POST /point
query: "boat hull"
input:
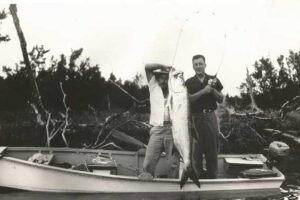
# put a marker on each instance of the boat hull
(25, 175)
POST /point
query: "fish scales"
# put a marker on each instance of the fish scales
(179, 113)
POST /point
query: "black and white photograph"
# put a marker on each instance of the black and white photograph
(150, 99)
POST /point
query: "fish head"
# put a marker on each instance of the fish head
(176, 81)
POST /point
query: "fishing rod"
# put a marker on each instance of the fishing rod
(178, 42)
(179, 36)
(222, 57)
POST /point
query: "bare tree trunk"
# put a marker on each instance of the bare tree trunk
(36, 93)
(282, 135)
(251, 93)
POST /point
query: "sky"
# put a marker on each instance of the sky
(123, 35)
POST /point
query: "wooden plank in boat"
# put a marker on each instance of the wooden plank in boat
(244, 161)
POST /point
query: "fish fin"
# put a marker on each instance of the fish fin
(194, 177)
(189, 173)
(184, 178)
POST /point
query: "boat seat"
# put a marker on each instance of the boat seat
(257, 173)
(102, 165)
(41, 158)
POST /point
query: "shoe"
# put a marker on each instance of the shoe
(145, 176)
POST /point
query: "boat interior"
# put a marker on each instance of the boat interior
(123, 163)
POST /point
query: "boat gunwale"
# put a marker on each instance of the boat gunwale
(47, 190)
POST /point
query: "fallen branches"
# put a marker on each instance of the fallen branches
(291, 105)
(96, 146)
(224, 137)
(127, 139)
(140, 124)
(282, 135)
(112, 145)
(54, 126)
(257, 134)
(254, 115)
(294, 117)
(108, 120)
(128, 94)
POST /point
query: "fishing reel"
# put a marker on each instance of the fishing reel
(212, 82)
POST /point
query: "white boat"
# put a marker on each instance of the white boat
(17, 172)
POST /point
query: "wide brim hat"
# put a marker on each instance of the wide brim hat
(160, 71)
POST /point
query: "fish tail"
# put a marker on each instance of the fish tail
(189, 173)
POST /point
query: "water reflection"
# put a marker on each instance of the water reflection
(257, 194)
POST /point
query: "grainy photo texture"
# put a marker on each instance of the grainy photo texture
(153, 99)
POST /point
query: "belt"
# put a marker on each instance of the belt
(207, 110)
(203, 111)
(167, 122)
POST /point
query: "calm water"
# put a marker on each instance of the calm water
(263, 194)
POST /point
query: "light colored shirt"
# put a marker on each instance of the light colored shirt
(166, 111)
(158, 112)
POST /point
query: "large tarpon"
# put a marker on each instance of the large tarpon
(179, 112)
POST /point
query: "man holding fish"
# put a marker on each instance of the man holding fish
(205, 93)
(170, 111)
(161, 138)
(172, 103)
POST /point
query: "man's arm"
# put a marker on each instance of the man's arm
(218, 95)
(207, 90)
(149, 68)
(193, 97)
(217, 88)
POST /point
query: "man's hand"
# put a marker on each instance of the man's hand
(207, 89)
(168, 68)
(212, 82)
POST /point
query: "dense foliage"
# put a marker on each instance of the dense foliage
(274, 85)
(82, 82)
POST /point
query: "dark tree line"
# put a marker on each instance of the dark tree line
(83, 84)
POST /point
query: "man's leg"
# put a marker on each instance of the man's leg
(153, 150)
(172, 156)
(211, 144)
(197, 145)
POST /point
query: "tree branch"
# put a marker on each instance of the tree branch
(128, 94)
(66, 122)
(250, 85)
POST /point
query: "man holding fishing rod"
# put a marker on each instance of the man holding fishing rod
(161, 138)
(205, 93)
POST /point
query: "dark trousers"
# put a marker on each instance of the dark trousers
(161, 139)
(205, 142)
